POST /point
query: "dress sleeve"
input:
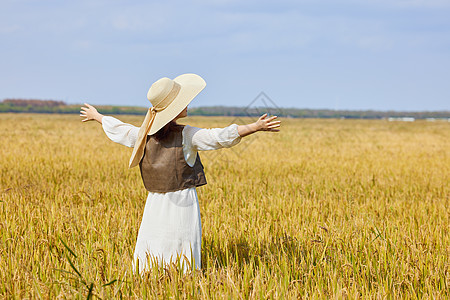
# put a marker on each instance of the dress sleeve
(120, 132)
(202, 139)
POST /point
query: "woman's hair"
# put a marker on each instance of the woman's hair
(163, 132)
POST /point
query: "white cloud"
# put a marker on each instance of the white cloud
(317, 37)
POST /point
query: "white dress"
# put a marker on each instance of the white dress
(171, 224)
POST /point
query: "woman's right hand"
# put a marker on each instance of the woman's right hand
(264, 124)
(90, 113)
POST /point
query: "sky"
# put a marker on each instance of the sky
(333, 54)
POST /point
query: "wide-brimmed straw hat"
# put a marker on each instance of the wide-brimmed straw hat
(168, 98)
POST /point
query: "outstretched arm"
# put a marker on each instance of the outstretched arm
(262, 124)
(116, 130)
(202, 139)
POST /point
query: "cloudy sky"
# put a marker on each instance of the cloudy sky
(338, 54)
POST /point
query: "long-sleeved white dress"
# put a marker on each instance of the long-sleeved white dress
(171, 224)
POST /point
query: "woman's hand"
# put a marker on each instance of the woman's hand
(90, 113)
(264, 124)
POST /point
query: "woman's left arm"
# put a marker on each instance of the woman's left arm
(116, 130)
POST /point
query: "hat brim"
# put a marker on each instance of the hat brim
(191, 86)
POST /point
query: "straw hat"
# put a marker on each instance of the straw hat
(169, 98)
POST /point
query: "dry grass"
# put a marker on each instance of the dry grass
(323, 209)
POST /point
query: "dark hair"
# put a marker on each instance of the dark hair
(163, 132)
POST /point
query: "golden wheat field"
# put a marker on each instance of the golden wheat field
(321, 209)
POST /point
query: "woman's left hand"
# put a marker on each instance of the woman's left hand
(90, 113)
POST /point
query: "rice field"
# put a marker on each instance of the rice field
(322, 209)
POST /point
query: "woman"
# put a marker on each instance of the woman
(171, 169)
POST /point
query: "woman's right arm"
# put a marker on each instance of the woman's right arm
(262, 124)
(202, 139)
(116, 130)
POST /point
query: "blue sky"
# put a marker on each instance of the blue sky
(338, 54)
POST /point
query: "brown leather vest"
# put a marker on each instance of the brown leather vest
(163, 167)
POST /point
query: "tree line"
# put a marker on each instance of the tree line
(52, 106)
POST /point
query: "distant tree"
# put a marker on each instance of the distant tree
(33, 102)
